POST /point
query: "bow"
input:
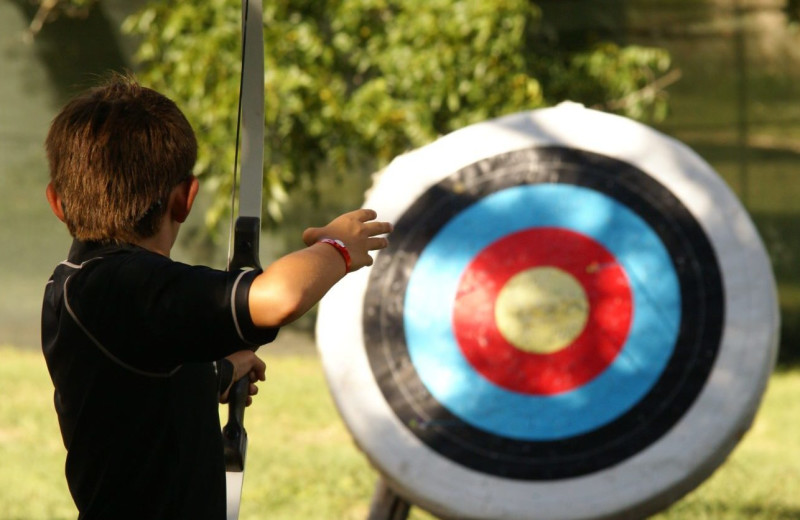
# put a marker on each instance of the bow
(244, 252)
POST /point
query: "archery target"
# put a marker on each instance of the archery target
(575, 318)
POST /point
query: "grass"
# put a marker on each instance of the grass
(302, 463)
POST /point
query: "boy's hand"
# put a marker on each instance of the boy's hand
(245, 364)
(358, 230)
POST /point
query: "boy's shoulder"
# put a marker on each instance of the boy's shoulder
(94, 270)
(93, 257)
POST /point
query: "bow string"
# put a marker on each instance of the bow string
(243, 248)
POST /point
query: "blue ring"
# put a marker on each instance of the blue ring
(450, 378)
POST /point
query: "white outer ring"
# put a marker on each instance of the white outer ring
(656, 476)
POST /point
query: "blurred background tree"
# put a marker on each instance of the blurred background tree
(48, 10)
(353, 83)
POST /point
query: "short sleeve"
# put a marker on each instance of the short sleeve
(154, 313)
(241, 312)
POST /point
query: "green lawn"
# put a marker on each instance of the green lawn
(302, 463)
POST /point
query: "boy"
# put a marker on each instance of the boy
(141, 348)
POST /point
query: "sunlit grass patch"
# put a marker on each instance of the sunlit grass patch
(303, 464)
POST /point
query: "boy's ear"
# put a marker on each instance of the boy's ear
(55, 201)
(183, 198)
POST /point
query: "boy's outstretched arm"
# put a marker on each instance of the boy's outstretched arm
(291, 285)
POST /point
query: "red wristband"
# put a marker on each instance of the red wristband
(339, 246)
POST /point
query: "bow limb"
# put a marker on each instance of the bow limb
(246, 232)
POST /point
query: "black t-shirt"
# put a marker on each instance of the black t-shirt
(130, 338)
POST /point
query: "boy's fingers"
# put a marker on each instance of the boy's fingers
(377, 228)
(365, 215)
(260, 369)
(374, 244)
(310, 236)
(256, 375)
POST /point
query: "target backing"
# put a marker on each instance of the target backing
(575, 318)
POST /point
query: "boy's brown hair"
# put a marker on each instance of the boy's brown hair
(115, 153)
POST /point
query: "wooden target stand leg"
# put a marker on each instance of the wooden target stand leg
(386, 504)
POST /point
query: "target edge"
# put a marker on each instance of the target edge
(752, 259)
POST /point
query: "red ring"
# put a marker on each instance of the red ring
(595, 348)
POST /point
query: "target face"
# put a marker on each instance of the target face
(547, 318)
(645, 334)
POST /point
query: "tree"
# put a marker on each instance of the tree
(352, 83)
(47, 10)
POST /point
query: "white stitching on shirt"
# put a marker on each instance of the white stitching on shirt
(100, 346)
(77, 266)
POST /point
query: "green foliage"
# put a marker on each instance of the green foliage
(426, 68)
(623, 79)
(350, 84)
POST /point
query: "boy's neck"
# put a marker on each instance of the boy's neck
(162, 241)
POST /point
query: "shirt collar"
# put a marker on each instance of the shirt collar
(81, 251)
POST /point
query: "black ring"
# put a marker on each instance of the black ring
(702, 315)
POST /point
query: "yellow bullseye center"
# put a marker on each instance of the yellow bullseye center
(541, 310)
